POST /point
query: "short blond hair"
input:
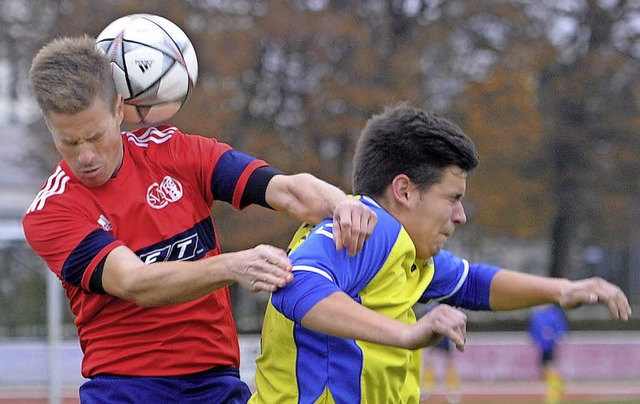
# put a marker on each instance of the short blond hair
(68, 73)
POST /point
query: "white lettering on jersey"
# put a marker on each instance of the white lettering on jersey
(151, 135)
(105, 223)
(56, 184)
(179, 250)
(159, 195)
(157, 255)
(182, 247)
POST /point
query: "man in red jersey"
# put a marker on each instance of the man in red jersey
(125, 223)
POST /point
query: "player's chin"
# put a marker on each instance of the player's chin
(436, 249)
(92, 180)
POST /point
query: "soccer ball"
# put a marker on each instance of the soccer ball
(153, 64)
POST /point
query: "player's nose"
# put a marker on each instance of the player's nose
(85, 154)
(459, 215)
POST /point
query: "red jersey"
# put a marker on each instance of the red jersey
(159, 206)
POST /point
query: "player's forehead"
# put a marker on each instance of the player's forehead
(94, 119)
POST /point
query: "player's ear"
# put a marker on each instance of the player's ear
(401, 186)
(119, 108)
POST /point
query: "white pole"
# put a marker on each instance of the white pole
(11, 230)
(54, 325)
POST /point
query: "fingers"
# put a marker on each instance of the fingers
(264, 268)
(457, 333)
(618, 306)
(353, 223)
(597, 290)
(446, 321)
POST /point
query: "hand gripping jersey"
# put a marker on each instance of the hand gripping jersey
(299, 365)
(158, 205)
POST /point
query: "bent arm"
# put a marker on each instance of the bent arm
(164, 283)
(311, 200)
(303, 197)
(339, 315)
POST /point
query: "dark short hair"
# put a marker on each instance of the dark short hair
(406, 140)
(68, 73)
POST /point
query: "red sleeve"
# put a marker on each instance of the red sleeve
(57, 226)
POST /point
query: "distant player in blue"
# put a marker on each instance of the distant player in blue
(344, 330)
(547, 327)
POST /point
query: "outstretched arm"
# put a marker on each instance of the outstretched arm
(480, 286)
(312, 200)
(512, 290)
(262, 268)
(339, 315)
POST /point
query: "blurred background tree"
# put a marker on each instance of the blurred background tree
(548, 90)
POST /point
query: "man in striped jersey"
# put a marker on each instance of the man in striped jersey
(344, 331)
(125, 223)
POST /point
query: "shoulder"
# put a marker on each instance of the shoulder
(61, 206)
(445, 258)
(388, 234)
(58, 191)
(388, 230)
(386, 221)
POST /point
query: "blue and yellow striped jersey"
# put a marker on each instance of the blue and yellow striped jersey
(299, 365)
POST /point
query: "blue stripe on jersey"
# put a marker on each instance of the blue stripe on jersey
(342, 376)
(458, 283)
(81, 256)
(190, 245)
(227, 172)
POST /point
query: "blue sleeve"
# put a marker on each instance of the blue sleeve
(320, 270)
(458, 283)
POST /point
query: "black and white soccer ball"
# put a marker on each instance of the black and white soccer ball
(153, 63)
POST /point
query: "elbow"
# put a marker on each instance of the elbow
(143, 300)
(297, 195)
(133, 293)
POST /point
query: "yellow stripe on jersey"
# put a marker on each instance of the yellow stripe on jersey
(387, 374)
(392, 374)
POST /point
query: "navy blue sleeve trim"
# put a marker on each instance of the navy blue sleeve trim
(81, 256)
(226, 173)
(256, 188)
(95, 283)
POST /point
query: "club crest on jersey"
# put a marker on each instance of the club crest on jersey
(159, 195)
